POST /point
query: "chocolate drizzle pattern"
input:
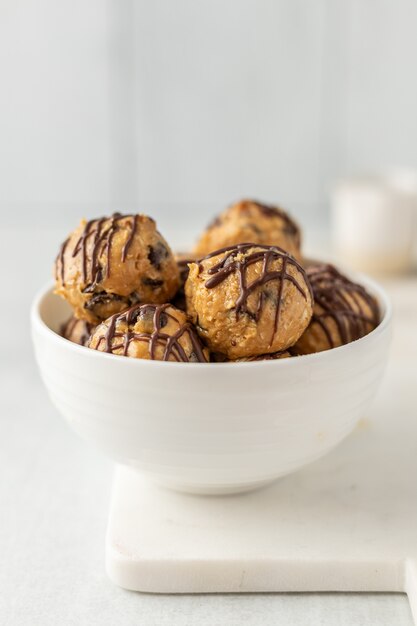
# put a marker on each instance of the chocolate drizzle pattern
(237, 259)
(291, 227)
(119, 334)
(342, 301)
(61, 256)
(101, 232)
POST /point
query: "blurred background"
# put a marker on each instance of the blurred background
(179, 108)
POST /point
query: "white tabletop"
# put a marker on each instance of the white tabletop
(54, 496)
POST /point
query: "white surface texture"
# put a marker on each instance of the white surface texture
(54, 496)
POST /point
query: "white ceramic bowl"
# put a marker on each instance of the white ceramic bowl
(210, 428)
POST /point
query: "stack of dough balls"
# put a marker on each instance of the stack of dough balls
(243, 294)
(111, 270)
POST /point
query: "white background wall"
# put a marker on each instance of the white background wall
(177, 108)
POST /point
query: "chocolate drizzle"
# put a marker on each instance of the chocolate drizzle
(158, 316)
(60, 258)
(129, 240)
(339, 299)
(291, 227)
(237, 259)
(101, 231)
(103, 298)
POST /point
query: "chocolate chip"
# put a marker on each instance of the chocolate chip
(253, 316)
(271, 295)
(157, 254)
(152, 282)
(102, 298)
(163, 320)
(133, 314)
(134, 298)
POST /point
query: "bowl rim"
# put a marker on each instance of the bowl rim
(38, 324)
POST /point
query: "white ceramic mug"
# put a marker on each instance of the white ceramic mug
(374, 221)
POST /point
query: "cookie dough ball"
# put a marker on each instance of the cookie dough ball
(150, 331)
(108, 264)
(250, 221)
(249, 300)
(284, 354)
(77, 331)
(343, 311)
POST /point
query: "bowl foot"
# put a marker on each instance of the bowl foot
(212, 490)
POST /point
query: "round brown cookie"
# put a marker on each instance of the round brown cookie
(77, 331)
(343, 311)
(248, 300)
(250, 221)
(149, 331)
(108, 264)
